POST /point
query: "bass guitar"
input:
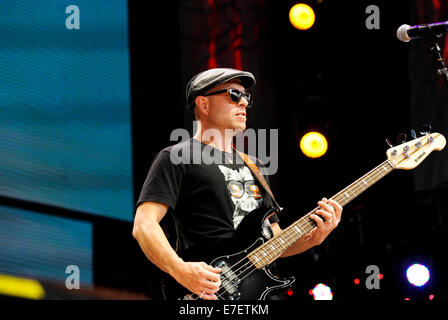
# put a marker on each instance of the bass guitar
(245, 260)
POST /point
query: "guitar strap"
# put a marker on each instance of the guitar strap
(256, 172)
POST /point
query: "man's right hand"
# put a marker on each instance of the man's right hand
(200, 278)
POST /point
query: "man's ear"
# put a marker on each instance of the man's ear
(202, 105)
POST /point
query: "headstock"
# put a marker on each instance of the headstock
(410, 154)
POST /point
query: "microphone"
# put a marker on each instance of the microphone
(406, 32)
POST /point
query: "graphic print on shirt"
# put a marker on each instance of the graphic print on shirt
(245, 193)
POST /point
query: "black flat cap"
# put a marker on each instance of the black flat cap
(211, 78)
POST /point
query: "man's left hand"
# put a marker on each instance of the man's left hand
(327, 218)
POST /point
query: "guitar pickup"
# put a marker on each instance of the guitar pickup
(230, 281)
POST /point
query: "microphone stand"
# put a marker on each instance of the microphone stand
(437, 53)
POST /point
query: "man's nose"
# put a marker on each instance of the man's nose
(243, 102)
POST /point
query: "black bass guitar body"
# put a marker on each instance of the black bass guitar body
(240, 279)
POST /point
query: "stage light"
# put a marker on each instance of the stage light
(21, 287)
(417, 274)
(313, 144)
(322, 292)
(302, 16)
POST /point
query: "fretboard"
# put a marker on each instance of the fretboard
(274, 248)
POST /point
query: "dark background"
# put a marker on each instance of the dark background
(356, 86)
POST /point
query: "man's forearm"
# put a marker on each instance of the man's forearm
(156, 247)
(300, 246)
(198, 277)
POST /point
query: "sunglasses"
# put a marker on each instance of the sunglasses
(235, 95)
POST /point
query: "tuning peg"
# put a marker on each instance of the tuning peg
(394, 152)
(413, 135)
(401, 138)
(389, 143)
(426, 129)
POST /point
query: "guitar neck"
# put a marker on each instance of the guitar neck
(272, 249)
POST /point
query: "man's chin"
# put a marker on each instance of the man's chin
(240, 129)
(240, 126)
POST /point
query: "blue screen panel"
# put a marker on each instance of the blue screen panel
(41, 246)
(65, 128)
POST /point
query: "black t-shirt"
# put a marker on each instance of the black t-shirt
(207, 195)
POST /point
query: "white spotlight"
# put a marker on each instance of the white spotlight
(322, 292)
(417, 274)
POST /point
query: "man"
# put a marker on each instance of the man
(205, 199)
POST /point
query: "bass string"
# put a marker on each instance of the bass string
(355, 186)
(229, 278)
(306, 224)
(248, 268)
(358, 189)
(251, 266)
(374, 173)
(229, 274)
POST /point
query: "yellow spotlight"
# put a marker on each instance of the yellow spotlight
(21, 287)
(302, 16)
(313, 145)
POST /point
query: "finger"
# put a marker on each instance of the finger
(337, 207)
(335, 210)
(335, 204)
(210, 273)
(317, 219)
(207, 276)
(326, 206)
(310, 234)
(207, 296)
(210, 276)
(326, 216)
(211, 286)
(210, 268)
